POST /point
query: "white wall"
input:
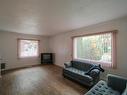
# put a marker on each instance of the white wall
(8, 49)
(61, 44)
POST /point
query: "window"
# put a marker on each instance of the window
(96, 48)
(28, 48)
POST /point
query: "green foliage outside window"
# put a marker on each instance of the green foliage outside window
(96, 47)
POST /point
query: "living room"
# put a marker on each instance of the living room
(62, 28)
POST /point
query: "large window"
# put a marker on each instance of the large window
(28, 48)
(96, 48)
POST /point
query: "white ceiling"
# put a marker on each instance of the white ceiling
(49, 17)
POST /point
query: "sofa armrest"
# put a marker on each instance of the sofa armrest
(95, 73)
(67, 64)
(116, 82)
(89, 78)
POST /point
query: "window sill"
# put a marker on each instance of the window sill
(28, 57)
(104, 64)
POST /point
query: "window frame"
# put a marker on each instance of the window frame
(18, 48)
(113, 54)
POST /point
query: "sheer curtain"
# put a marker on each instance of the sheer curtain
(96, 48)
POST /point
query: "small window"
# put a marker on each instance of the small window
(28, 48)
(96, 48)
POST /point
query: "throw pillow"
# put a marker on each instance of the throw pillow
(95, 67)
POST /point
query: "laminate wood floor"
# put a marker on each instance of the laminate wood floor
(40, 80)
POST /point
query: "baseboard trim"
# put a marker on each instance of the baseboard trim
(59, 65)
(28, 66)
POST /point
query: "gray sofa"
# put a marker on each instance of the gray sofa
(115, 85)
(81, 72)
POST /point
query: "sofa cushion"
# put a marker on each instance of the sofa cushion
(85, 66)
(101, 88)
(78, 75)
(74, 70)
